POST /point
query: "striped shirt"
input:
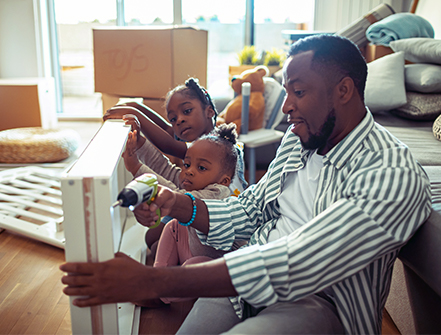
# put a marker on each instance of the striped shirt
(371, 197)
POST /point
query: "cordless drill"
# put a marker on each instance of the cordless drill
(142, 189)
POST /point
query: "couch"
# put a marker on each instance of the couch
(414, 301)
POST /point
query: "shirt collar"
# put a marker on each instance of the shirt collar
(341, 153)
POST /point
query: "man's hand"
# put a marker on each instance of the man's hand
(121, 279)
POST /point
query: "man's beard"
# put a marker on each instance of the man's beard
(319, 140)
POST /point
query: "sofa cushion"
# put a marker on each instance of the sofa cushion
(420, 106)
(419, 49)
(417, 135)
(423, 78)
(385, 87)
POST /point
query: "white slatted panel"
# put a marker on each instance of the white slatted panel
(30, 204)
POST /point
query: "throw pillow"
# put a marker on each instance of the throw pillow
(385, 89)
(424, 78)
(419, 49)
(420, 106)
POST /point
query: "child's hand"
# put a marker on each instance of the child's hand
(118, 111)
(133, 121)
(131, 160)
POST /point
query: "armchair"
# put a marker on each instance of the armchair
(274, 96)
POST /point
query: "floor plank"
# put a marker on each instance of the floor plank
(31, 298)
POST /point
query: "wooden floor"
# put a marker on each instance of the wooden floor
(31, 298)
(32, 302)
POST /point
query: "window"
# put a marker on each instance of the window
(143, 12)
(226, 36)
(75, 20)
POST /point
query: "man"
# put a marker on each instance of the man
(325, 223)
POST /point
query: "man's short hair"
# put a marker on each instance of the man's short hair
(335, 57)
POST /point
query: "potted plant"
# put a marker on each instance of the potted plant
(274, 59)
(248, 58)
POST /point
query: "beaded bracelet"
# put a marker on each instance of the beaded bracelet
(194, 211)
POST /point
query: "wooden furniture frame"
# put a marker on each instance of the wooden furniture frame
(94, 230)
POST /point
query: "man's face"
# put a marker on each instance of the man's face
(308, 102)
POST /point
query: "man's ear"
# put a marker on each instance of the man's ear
(345, 90)
(225, 180)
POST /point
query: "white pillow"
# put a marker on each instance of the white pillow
(424, 78)
(419, 49)
(385, 88)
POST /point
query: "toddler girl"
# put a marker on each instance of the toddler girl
(203, 183)
(208, 168)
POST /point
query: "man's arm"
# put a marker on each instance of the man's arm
(122, 279)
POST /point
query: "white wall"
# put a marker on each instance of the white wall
(24, 39)
(431, 11)
(333, 15)
(18, 50)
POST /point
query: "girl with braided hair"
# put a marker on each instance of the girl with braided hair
(191, 113)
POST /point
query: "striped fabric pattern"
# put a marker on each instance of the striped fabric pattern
(372, 196)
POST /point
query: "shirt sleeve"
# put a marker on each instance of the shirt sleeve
(239, 218)
(155, 161)
(379, 210)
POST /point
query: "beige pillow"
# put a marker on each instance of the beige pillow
(420, 106)
(385, 88)
(419, 49)
(424, 78)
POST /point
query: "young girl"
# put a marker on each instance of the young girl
(191, 113)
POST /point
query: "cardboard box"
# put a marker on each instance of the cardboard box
(148, 62)
(158, 105)
(374, 52)
(27, 102)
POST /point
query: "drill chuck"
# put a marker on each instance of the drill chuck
(142, 189)
(134, 195)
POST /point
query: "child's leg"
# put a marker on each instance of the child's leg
(173, 248)
(152, 237)
(197, 259)
(192, 260)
